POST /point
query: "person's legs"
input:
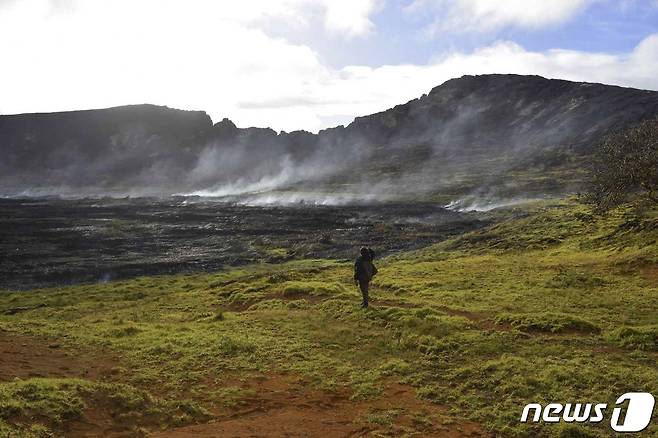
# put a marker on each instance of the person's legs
(363, 285)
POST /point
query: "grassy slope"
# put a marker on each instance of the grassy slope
(552, 304)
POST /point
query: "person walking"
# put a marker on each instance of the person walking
(364, 270)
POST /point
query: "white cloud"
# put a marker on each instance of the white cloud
(634, 69)
(98, 53)
(349, 16)
(489, 15)
(201, 54)
(360, 90)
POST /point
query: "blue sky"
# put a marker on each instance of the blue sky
(399, 37)
(306, 64)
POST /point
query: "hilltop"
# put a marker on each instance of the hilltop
(490, 135)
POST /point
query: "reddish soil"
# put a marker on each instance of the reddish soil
(282, 406)
(275, 405)
(24, 357)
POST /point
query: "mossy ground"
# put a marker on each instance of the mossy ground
(551, 304)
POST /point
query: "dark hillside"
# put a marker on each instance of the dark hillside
(508, 134)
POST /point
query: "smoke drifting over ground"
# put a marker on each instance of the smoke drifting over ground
(495, 137)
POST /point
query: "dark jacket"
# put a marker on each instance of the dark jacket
(364, 269)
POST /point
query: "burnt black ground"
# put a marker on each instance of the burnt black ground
(49, 242)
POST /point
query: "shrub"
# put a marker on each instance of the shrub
(625, 164)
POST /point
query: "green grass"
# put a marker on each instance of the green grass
(39, 406)
(549, 304)
(548, 322)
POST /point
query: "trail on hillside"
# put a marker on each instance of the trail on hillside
(277, 404)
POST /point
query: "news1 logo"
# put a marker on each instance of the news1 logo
(637, 416)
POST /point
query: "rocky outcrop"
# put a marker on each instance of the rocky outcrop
(467, 131)
(112, 148)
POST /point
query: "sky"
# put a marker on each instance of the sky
(306, 64)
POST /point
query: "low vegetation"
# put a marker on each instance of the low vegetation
(553, 303)
(54, 402)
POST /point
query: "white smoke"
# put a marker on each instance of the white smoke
(467, 204)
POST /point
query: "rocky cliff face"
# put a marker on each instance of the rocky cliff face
(111, 148)
(506, 133)
(493, 111)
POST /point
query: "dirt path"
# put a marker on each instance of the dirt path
(282, 405)
(26, 356)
